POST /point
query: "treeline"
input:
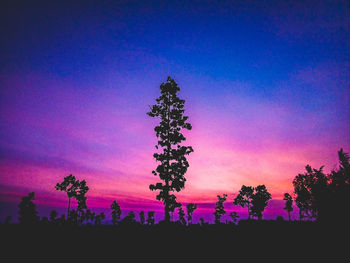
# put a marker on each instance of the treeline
(318, 196)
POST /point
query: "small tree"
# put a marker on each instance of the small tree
(182, 219)
(289, 203)
(142, 217)
(116, 212)
(99, 218)
(74, 189)
(244, 198)
(27, 210)
(172, 157)
(260, 199)
(190, 207)
(53, 217)
(150, 218)
(219, 209)
(234, 217)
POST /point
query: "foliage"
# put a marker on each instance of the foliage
(142, 217)
(219, 209)
(74, 189)
(27, 210)
(190, 207)
(289, 203)
(182, 219)
(150, 218)
(116, 212)
(234, 217)
(260, 199)
(171, 156)
(244, 198)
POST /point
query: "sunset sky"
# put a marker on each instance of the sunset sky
(266, 85)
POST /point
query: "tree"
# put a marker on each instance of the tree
(289, 204)
(260, 199)
(74, 189)
(311, 192)
(27, 210)
(234, 217)
(219, 209)
(172, 156)
(324, 197)
(150, 218)
(99, 218)
(116, 212)
(182, 219)
(190, 207)
(130, 218)
(142, 217)
(244, 198)
(53, 216)
(173, 204)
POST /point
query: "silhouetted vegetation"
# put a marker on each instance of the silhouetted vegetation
(116, 212)
(219, 209)
(324, 197)
(27, 210)
(321, 198)
(289, 204)
(172, 157)
(190, 209)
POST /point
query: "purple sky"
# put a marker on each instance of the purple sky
(266, 86)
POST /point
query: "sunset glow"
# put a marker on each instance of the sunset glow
(266, 90)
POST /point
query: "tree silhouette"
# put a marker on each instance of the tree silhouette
(244, 198)
(142, 217)
(324, 197)
(116, 212)
(289, 204)
(53, 217)
(234, 217)
(99, 218)
(311, 191)
(190, 207)
(150, 218)
(260, 199)
(219, 209)
(27, 210)
(74, 189)
(173, 204)
(182, 219)
(173, 163)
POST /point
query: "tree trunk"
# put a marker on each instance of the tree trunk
(68, 210)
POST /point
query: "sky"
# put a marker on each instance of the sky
(266, 85)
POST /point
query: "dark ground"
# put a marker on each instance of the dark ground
(249, 241)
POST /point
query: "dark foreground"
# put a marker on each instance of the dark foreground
(251, 240)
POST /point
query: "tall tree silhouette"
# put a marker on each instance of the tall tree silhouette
(172, 156)
(260, 199)
(244, 198)
(116, 212)
(190, 207)
(289, 204)
(219, 208)
(27, 210)
(74, 189)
